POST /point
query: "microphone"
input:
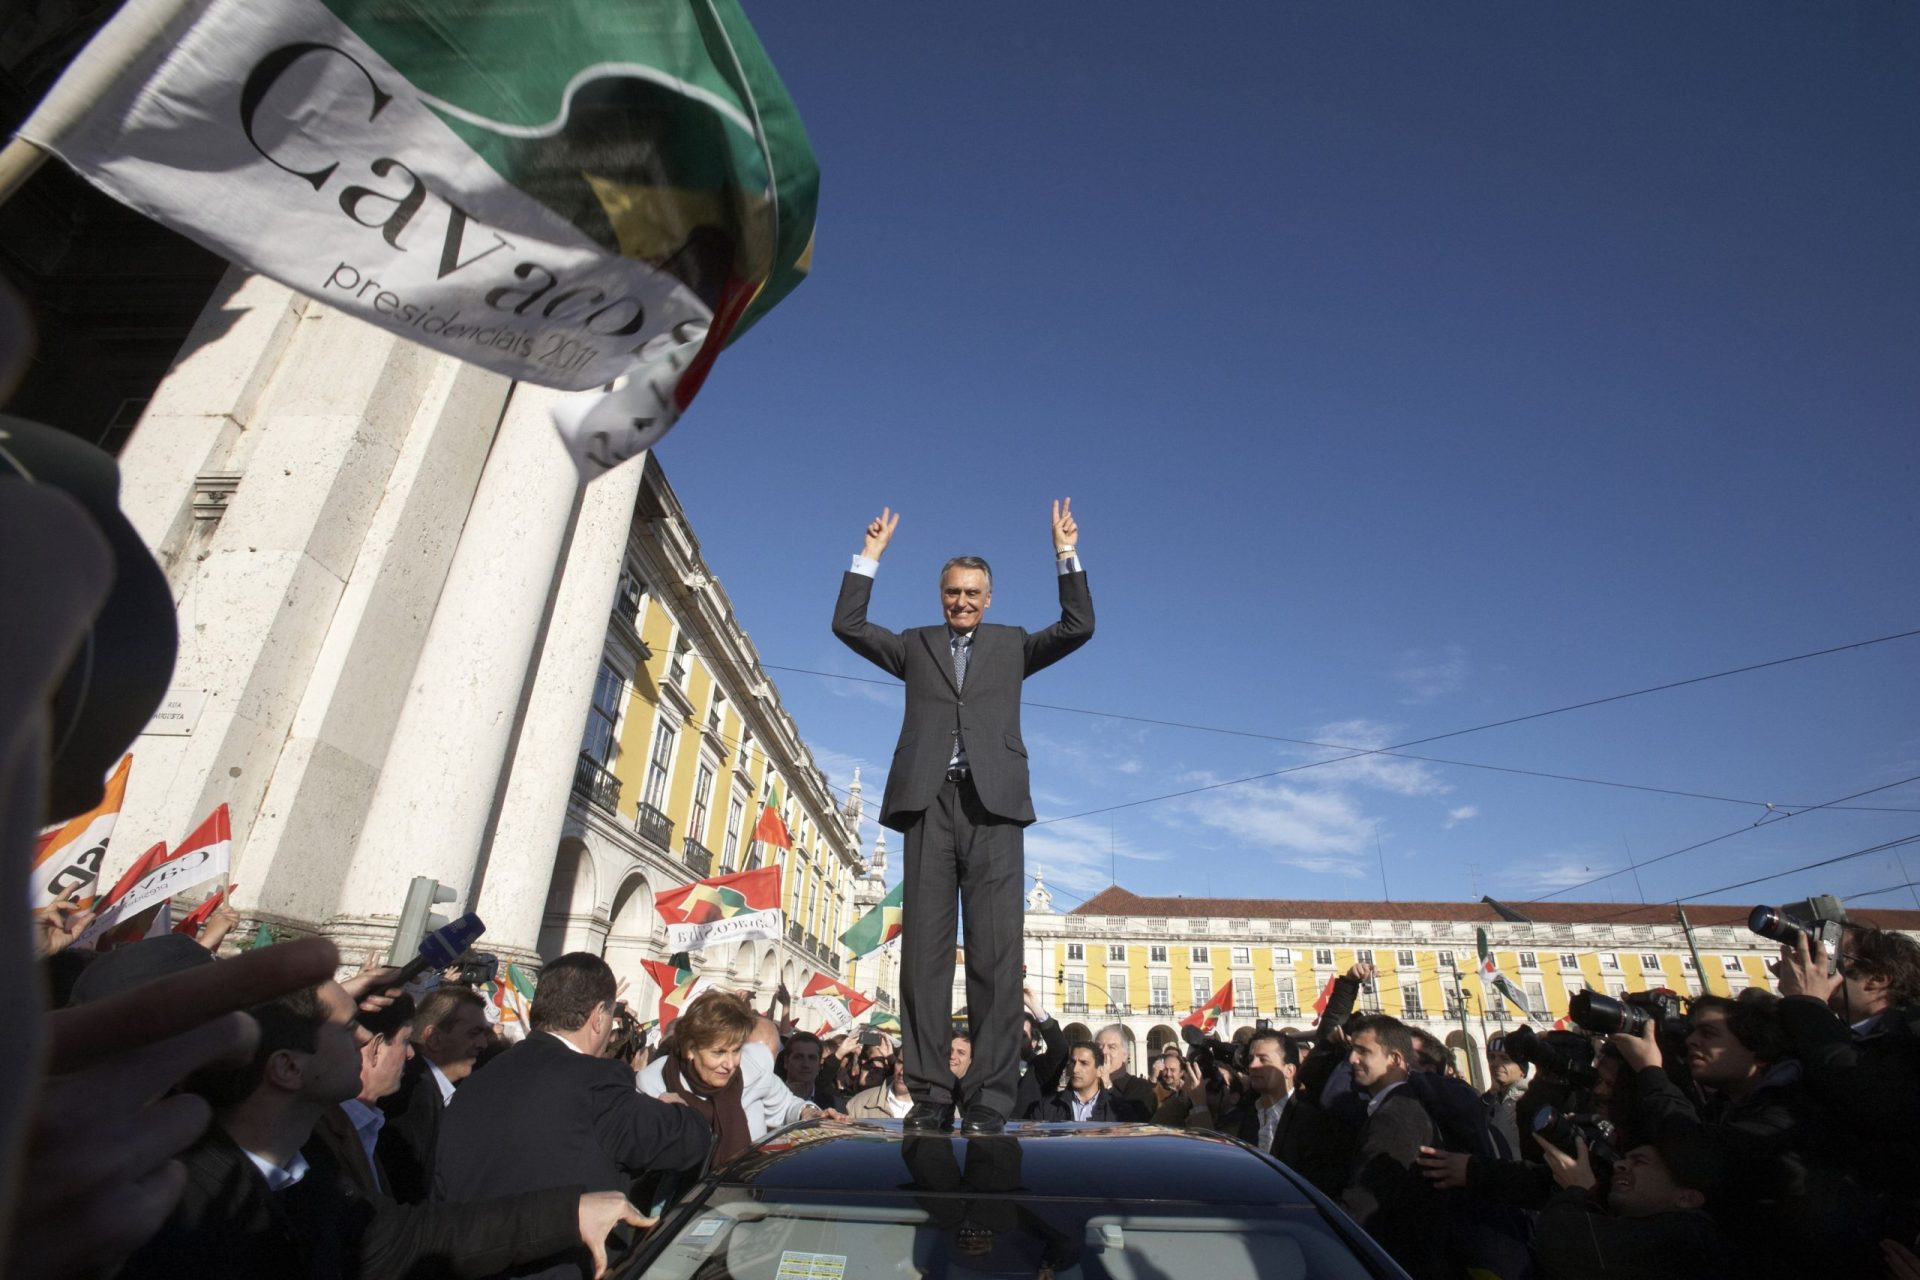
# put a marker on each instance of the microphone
(442, 947)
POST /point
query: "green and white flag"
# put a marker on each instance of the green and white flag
(879, 926)
(575, 193)
(1490, 973)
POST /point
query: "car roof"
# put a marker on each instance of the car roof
(1079, 1161)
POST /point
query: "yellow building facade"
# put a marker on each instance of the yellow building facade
(1146, 963)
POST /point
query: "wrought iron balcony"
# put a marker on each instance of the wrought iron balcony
(1075, 1007)
(1160, 1010)
(698, 857)
(812, 944)
(594, 784)
(793, 932)
(653, 826)
(1119, 1010)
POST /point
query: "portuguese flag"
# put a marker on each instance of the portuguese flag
(771, 829)
(1209, 1013)
(729, 908)
(569, 193)
(878, 927)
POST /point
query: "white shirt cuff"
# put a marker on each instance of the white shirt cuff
(1069, 563)
(865, 567)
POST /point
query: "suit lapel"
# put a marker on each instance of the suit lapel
(942, 653)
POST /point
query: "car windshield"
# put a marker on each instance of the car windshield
(747, 1234)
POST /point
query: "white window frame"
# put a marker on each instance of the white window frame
(1076, 951)
(1156, 953)
(1323, 956)
(1199, 955)
(1403, 958)
(1242, 955)
(1116, 953)
(1570, 961)
(1529, 960)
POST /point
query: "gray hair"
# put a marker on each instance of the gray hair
(967, 562)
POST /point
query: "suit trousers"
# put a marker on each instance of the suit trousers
(956, 849)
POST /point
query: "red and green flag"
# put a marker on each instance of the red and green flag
(771, 828)
(878, 927)
(1326, 994)
(881, 1020)
(836, 1002)
(511, 1002)
(1209, 1013)
(149, 884)
(728, 908)
(570, 193)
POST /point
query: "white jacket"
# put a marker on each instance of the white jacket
(764, 1096)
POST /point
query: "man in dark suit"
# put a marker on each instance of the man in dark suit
(262, 1200)
(551, 1111)
(351, 1132)
(1135, 1092)
(1087, 1096)
(958, 790)
(449, 1033)
(1385, 1191)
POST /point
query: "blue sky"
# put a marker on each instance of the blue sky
(1410, 367)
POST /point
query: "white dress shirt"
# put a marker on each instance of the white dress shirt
(440, 1079)
(279, 1177)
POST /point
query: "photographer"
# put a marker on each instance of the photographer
(1654, 1224)
(1737, 1053)
(1314, 1141)
(1856, 1030)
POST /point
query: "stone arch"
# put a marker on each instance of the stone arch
(631, 931)
(571, 921)
(769, 969)
(1467, 1049)
(1077, 1031)
(744, 974)
(1158, 1038)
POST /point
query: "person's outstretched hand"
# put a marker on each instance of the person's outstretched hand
(880, 533)
(59, 924)
(1066, 532)
(600, 1213)
(97, 1190)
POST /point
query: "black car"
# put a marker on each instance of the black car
(835, 1201)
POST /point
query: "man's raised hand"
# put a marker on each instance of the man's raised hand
(880, 533)
(1066, 532)
(600, 1213)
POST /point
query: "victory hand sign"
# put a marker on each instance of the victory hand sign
(880, 533)
(1066, 533)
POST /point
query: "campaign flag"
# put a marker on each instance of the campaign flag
(509, 1002)
(882, 1021)
(771, 829)
(262, 938)
(196, 919)
(822, 985)
(566, 193)
(1490, 973)
(1209, 1013)
(1326, 994)
(68, 857)
(678, 985)
(729, 908)
(878, 927)
(203, 858)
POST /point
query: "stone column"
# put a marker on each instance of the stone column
(517, 868)
(448, 754)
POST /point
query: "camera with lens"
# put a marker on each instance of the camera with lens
(477, 968)
(1820, 920)
(1565, 1129)
(1565, 1055)
(1206, 1052)
(1604, 1015)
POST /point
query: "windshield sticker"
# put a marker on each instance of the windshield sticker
(706, 1227)
(811, 1266)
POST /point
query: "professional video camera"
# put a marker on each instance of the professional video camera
(1205, 1051)
(1822, 920)
(1565, 1055)
(1603, 1015)
(477, 968)
(1562, 1129)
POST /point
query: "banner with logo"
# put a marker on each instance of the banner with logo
(1490, 975)
(68, 857)
(202, 859)
(730, 908)
(570, 193)
(834, 1001)
(879, 926)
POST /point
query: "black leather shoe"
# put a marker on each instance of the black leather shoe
(982, 1119)
(928, 1117)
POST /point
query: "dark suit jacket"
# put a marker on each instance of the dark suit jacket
(334, 1135)
(988, 716)
(1041, 1078)
(1134, 1098)
(1106, 1107)
(412, 1134)
(228, 1224)
(1385, 1192)
(542, 1114)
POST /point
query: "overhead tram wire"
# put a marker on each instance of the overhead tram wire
(1737, 831)
(1398, 749)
